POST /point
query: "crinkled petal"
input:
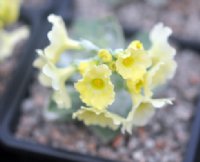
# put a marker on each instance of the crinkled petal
(94, 96)
(160, 47)
(58, 76)
(59, 40)
(92, 116)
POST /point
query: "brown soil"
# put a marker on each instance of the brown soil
(163, 139)
(182, 16)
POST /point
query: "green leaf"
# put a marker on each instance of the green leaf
(104, 134)
(105, 32)
(122, 103)
(117, 81)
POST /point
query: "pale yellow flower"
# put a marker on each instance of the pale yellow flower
(132, 64)
(144, 86)
(84, 66)
(57, 75)
(10, 39)
(136, 45)
(96, 88)
(166, 71)
(59, 39)
(44, 80)
(141, 113)
(105, 55)
(9, 11)
(62, 97)
(39, 63)
(112, 66)
(94, 116)
(58, 78)
(162, 51)
(41, 60)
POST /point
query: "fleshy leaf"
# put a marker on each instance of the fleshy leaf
(122, 103)
(105, 134)
(105, 33)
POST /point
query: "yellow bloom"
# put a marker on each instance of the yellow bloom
(164, 73)
(85, 65)
(41, 60)
(112, 66)
(59, 40)
(94, 116)
(39, 63)
(105, 55)
(44, 80)
(9, 11)
(95, 88)
(142, 88)
(162, 51)
(10, 39)
(132, 64)
(136, 85)
(58, 78)
(62, 98)
(145, 85)
(136, 45)
(142, 113)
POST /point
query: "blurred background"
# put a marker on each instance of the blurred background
(114, 23)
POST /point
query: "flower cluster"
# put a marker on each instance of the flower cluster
(9, 13)
(141, 70)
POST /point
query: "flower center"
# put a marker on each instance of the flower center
(138, 86)
(128, 61)
(98, 83)
(139, 45)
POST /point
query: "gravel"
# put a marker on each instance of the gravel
(163, 139)
(182, 16)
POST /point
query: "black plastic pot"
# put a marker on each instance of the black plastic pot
(193, 151)
(34, 21)
(36, 18)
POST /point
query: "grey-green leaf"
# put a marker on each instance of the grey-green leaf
(105, 32)
(104, 134)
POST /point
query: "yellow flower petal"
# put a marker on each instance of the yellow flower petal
(105, 55)
(9, 11)
(132, 64)
(58, 76)
(142, 112)
(136, 45)
(41, 60)
(103, 118)
(84, 66)
(62, 98)
(44, 80)
(59, 40)
(95, 88)
(10, 39)
(162, 51)
(165, 72)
